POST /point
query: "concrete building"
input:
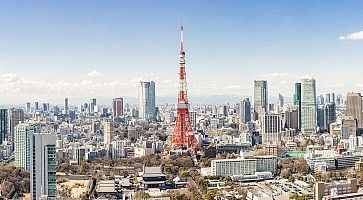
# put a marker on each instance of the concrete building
(43, 166)
(270, 128)
(108, 132)
(147, 100)
(117, 107)
(308, 106)
(337, 188)
(244, 166)
(260, 98)
(193, 119)
(354, 106)
(22, 136)
(351, 124)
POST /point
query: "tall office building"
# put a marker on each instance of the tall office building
(46, 107)
(330, 98)
(193, 119)
(260, 98)
(354, 106)
(93, 105)
(15, 117)
(22, 136)
(66, 105)
(43, 166)
(36, 104)
(3, 124)
(28, 108)
(329, 115)
(291, 118)
(281, 101)
(147, 100)
(245, 111)
(271, 128)
(297, 103)
(108, 132)
(117, 107)
(308, 106)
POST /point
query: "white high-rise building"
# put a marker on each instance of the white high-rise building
(193, 119)
(118, 149)
(43, 166)
(22, 134)
(147, 100)
(108, 132)
(308, 106)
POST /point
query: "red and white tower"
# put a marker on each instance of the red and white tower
(183, 136)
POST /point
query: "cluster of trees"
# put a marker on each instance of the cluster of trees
(289, 166)
(14, 181)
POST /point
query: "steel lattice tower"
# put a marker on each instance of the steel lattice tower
(183, 136)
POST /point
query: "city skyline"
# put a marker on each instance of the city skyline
(106, 50)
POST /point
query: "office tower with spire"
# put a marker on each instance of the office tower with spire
(354, 107)
(3, 124)
(43, 166)
(117, 107)
(308, 106)
(147, 100)
(260, 98)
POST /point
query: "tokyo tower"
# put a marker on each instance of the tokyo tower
(183, 136)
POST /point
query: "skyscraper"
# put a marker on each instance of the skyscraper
(108, 132)
(297, 103)
(270, 128)
(260, 98)
(43, 166)
(28, 108)
(281, 100)
(354, 106)
(66, 105)
(147, 100)
(23, 133)
(308, 106)
(3, 124)
(329, 115)
(15, 117)
(117, 107)
(36, 104)
(93, 105)
(245, 111)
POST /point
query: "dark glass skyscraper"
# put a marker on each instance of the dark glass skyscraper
(3, 124)
(297, 102)
(245, 111)
(260, 98)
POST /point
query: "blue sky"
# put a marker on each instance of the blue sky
(83, 49)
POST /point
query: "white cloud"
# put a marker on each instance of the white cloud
(352, 36)
(276, 74)
(95, 74)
